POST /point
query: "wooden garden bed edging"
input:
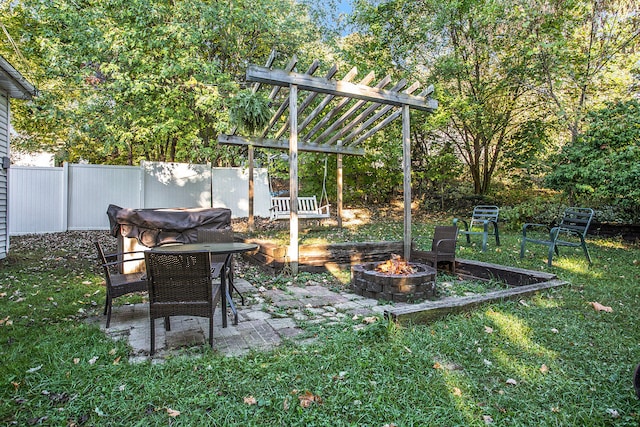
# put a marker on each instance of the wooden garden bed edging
(524, 282)
(316, 258)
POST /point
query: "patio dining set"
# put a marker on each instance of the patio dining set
(181, 279)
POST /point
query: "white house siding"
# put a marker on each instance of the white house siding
(4, 185)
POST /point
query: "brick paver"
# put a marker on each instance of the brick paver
(267, 318)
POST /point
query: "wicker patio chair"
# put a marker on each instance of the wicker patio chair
(180, 284)
(117, 283)
(443, 248)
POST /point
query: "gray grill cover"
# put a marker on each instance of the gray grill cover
(155, 227)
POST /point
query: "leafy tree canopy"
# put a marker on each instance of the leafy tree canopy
(512, 77)
(122, 81)
(603, 164)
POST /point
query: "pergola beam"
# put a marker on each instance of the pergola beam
(384, 110)
(335, 110)
(285, 104)
(281, 144)
(338, 88)
(339, 124)
(325, 101)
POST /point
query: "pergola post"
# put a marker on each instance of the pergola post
(339, 187)
(293, 178)
(406, 169)
(251, 223)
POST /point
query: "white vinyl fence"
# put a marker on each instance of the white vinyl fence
(76, 196)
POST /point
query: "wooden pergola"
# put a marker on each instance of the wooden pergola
(344, 114)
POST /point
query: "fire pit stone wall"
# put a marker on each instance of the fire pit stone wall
(369, 283)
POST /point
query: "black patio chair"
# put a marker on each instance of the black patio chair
(117, 282)
(443, 248)
(180, 284)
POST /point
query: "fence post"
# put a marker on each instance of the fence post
(65, 196)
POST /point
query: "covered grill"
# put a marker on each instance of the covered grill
(156, 227)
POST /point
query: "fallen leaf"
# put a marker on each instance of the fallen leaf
(457, 392)
(112, 351)
(488, 329)
(487, 419)
(370, 319)
(93, 360)
(285, 404)
(76, 360)
(599, 307)
(437, 365)
(34, 369)
(511, 381)
(524, 303)
(544, 368)
(172, 412)
(250, 400)
(308, 398)
(117, 360)
(408, 349)
(554, 330)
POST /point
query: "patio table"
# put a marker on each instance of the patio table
(226, 248)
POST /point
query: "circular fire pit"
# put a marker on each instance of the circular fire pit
(418, 285)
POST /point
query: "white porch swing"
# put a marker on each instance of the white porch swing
(308, 207)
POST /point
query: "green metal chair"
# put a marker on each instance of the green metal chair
(484, 222)
(571, 232)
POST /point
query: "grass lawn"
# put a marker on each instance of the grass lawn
(549, 360)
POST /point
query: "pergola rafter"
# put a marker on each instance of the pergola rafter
(344, 115)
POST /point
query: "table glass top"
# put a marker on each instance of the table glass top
(223, 248)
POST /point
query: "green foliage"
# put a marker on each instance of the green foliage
(125, 81)
(539, 210)
(250, 111)
(602, 166)
(512, 78)
(376, 177)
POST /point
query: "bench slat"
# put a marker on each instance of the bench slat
(307, 208)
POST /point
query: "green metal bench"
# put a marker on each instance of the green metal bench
(483, 219)
(574, 225)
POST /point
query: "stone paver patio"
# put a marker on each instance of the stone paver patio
(268, 317)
